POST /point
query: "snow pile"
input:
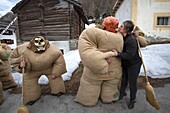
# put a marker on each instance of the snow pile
(72, 60)
(156, 59)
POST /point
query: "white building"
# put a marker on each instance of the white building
(152, 16)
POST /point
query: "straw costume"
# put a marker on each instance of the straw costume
(99, 79)
(5, 68)
(140, 36)
(41, 58)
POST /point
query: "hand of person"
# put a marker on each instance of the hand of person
(115, 53)
(22, 64)
(53, 76)
(109, 60)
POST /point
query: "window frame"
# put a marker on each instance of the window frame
(7, 32)
(162, 0)
(162, 27)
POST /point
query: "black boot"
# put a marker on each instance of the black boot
(121, 96)
(131, 104)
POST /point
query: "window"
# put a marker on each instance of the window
(8, 37)
(163, 21)
(7, 32)
(162, 0)
(7, 41)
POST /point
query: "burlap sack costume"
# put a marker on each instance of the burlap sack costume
(5, 68)
(1, 93)
(50, 62)
(99, 79)
(141, 37)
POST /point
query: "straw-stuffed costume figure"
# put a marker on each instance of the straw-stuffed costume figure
(140, 36)
(102, 72)
(38, 57)
(5, 68)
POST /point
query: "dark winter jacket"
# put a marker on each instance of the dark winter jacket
(130, 54)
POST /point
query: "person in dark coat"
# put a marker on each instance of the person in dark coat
(131, 62)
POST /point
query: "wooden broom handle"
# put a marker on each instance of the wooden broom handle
(23, 71)
(144, 68)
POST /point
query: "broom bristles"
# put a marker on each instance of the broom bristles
(150, 96)
(23, 109)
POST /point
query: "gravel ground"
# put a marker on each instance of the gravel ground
(66, 104)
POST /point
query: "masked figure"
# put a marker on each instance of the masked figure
(5, 68)
(38, 57)
(99, 78)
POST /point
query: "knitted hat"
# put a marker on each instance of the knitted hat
(110, 24)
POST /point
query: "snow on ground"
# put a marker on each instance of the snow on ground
(156, 59)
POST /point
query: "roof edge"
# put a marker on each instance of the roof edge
(116, 6)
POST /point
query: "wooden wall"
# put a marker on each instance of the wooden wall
(50, 18)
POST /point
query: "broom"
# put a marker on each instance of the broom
(150, 94)
(23, 108)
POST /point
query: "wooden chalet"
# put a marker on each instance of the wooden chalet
(6, 19)
(57, 20)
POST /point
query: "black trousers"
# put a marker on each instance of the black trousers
(130, 74)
